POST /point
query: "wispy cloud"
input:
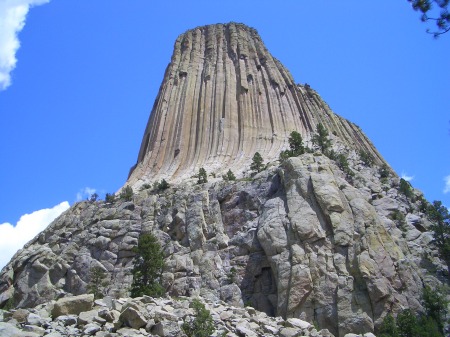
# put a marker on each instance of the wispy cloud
(407, 177)
(13, 238)
(13, 14)
(447, 184)
(85, 193)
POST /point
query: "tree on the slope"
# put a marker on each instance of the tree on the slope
(126, 194)
(202, 176)
(97, 282)
(434, 11)
(257, 163)
(439, 215)
(202, 325)
(296, 147)
(229, 176)
(321, 138)
(148, 267)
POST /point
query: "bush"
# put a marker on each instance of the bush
(435, 304)
(342, 163)
(366, 158)
(163, 185)
(93, 197)
(126, 194)
(229, 176)
(97, 282)
(202, 325)
(257, 163)
(202, 176)
(110, 198)
(384, 171)
(405, 188)
(147, 268)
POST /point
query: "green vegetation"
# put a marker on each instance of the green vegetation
(431, 324)
(321, 138)
(342, 163)
(384, 171)
(439, 215)
(97, 282)
(202, 176)
(93, 197)
(229, 176)
(161, 185)
(296, 147)
(257, 163)
(366, 158)
(441, 16)
(110, 198)
(145, 187)
(126, 194)
(202, 325)
(148, 267)
(405, 189)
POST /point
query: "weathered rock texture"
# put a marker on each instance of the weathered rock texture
(224, 97)
(296, 241)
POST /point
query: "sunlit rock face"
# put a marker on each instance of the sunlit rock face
(223, 98)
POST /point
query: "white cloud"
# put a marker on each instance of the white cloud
(85, 193)
(12, 19)
(13, 238)
(447, 184)
(407, 177)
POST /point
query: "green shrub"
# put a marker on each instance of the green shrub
(229, 176)
(435, 304)
(384, 171)
(97, 282)
(145, 187)
(163, 185)
(342, 163)
(202, 325)
(110, 198)
(148, 267)
(202, 176)
(405, 188)
(257, 163)
(439, 215)
(93, 197)
(126, 194)
(366, 158)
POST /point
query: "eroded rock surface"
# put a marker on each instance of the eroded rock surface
(295, 241)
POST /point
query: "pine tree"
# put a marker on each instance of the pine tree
(257, 163)
(321, 138)
(126, 194)
(229, 176)
(202, 176)
(97, 282)
(202, 325)
(296, 144)
(148, 267)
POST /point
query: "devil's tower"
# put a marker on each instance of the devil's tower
(224, 97)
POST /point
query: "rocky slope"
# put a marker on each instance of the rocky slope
(224, 97)
(294, 241)
(145, 316)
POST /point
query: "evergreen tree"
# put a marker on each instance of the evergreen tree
(202, 176)
(97, 282)
(163, 185)
(126, 194)
(202, 325)
(435, 304)
(110, 198)
(257, 163)
(296, 144)
(439, 215)
(321, 138)
(148, 267)
(229, 176)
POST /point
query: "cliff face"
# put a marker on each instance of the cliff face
(224, 97)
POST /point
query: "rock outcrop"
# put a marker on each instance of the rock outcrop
(295, 241)
(224, 97)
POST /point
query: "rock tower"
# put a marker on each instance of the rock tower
(224, 97)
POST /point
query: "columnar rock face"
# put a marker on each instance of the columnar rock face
(224, 97)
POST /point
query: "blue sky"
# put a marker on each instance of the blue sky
(88, 72)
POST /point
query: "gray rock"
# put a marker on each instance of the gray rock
(133, 318)
(73, 305)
